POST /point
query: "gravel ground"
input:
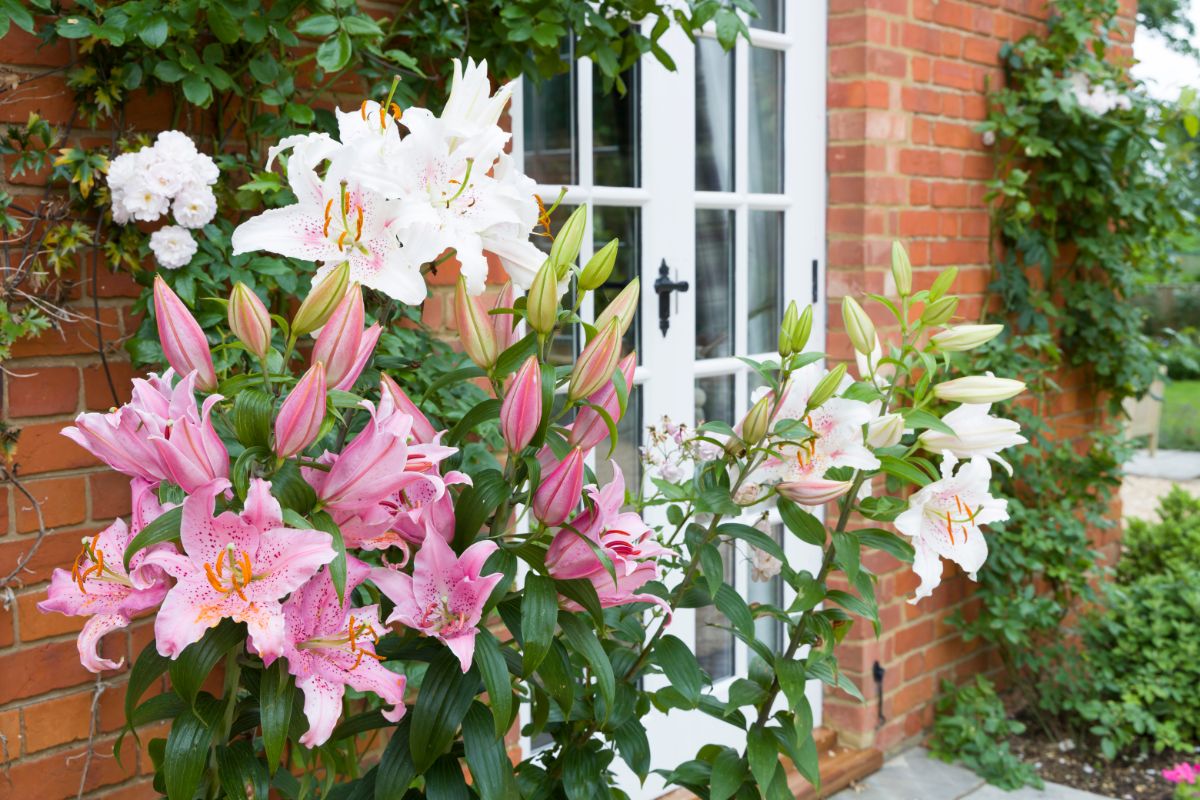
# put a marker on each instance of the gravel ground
(1139, 495)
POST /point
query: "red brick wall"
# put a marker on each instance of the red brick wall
(907, 82)
(905, 90)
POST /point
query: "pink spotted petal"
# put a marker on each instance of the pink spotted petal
(89, 641)
(322, 707)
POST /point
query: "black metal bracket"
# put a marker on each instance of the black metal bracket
(663, 286)
(877, 673)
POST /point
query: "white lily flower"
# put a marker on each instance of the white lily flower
(976, 433)
(471, 107)
(944, 520)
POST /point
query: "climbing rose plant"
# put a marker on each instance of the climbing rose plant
(322, 562)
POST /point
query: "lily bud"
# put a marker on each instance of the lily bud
(787, 329)
(858, 324)
(885, 431)
(422, 429)
(622, 308)
(558, 494)
(901, 269)
(596, 362)
(502, 324)
(965, 337)
(826, 387)
(939, 311)
(978, 389)
(321, 301)
(474, 328)
(302, 413)
(803, 330)
(815, 492)
(541, 304)
(521, 411)
(754, 424)
(599, 267)
(589, 427)
(340, 339)
(183, 340)
(249, 320)
(942, 284)
(566, 245)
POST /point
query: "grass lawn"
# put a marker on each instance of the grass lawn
(1180, 429)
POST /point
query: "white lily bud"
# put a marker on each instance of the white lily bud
(965, 337)
(901, 269)
(858, 324)
(978, 389)
(885, 431)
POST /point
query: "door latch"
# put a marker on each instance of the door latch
(663, 286)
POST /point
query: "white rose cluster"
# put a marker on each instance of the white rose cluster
(170, 175)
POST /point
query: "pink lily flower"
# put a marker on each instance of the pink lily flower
(191, 451)
(99, 586)
(330, 646)
(235, 566)
(422, 431)
(122, 438)
(372, 467)
(343, 345)
(623, 536)
(444, 596)
(183, 340)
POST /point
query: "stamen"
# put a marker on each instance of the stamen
(328, 217)
(949, 527)
(363, 110)
(462, 188)
(397, 113)
(342, 239)
(213, 581)
(358, 225)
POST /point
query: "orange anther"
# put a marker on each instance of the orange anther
(396, 112)
(358, 228)
(328, 207)
(363, 110)
(213, 581)
(342, 239)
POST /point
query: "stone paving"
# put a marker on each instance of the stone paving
(914, 775)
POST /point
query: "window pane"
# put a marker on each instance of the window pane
(714, 645)
(714, 399)
(549, 116)
(714, 283)
(765, 281)
(629, 440)
(564, 347)
(768, 590)
(766, 120)
(714, 117)
(624, 223)
(615, 134)
(770, 15)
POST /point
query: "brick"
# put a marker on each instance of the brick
(43, 448)
(43, 391)
(56, 776)
(110, 495)
(98, 394)
(71, 338)
(42, 668)
(37, 624)
(63, 501)
(10, 735)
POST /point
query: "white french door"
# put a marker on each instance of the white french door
(717, 170)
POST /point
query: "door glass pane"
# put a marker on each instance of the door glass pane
(766, 120)
(624, 223)
(615, 132)
(715, 399)
(770, 15)
(714, 283)
(714, 117)
(549, 117)
(629, 441)
(714, 645)
(765, 281)
(766, 588)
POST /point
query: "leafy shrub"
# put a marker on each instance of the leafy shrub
(1141, 654)
(971, 727)
(1167, 548)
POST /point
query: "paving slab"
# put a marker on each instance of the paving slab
(1174, 465)
(914, 775)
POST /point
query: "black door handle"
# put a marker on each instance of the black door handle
(663, 286)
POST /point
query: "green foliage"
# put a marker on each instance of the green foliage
(1170, 547)
(1180, 426)
(1170, 19)
(972, 726)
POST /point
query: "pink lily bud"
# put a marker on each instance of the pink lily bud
(622, 308)
(560, 490)
(366, 349)
(596, 362)
(814, 492)
(339, 343)
(422, 429)
(249, 320)
(182, 338)
(589, 428)
(302, 413)
(502, 324)
(474, 327)
(521, 411)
